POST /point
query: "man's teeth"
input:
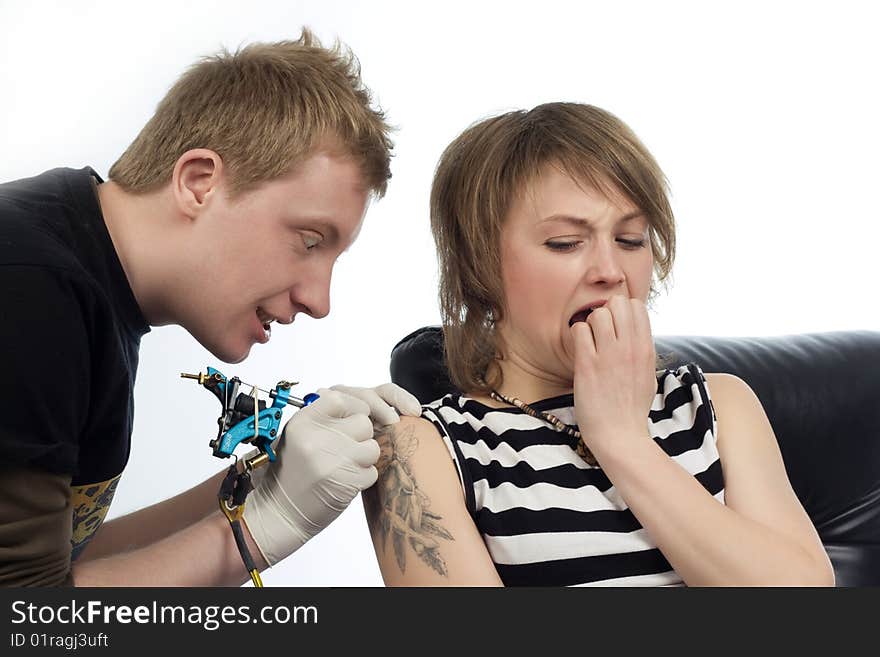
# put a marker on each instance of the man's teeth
(264, 319)
(267, 323)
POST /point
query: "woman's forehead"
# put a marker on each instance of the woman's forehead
(554, 191)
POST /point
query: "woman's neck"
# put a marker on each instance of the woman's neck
(528, 383)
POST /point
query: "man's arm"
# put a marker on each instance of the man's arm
(156, 522)
(35, 527)
(324, 458)
(203, 554)
(421, 530)
(35, 540)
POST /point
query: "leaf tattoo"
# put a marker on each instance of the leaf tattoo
(395, 506)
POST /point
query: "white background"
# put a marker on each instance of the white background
(762, 114)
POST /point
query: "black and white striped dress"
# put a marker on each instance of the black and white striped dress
(548, 518)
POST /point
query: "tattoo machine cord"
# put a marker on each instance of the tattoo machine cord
(245, 418)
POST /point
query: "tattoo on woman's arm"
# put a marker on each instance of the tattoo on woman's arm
(396, 507)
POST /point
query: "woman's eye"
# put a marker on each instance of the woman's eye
(632, 244)
(561, 245)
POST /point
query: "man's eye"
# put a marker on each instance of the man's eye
(561, 245)
(311, 240)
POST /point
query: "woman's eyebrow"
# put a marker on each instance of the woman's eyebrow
(588, 223)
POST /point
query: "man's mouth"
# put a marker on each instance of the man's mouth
(266, 320)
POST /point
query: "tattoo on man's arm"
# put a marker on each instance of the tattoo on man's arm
(397, 508)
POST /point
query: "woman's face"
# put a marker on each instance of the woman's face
(564, 246)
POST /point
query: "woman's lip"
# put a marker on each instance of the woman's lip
(585, 311)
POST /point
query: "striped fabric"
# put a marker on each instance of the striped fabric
(548, 518)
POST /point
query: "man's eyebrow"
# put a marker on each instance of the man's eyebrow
(327, 229)
(587, 223)
(331, 234)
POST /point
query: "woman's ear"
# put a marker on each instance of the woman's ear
(197, 176)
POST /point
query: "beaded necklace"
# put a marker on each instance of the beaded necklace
(582, 450)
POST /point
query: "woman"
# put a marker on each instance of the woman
(570, 458)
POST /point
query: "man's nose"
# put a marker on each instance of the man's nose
(313, 296)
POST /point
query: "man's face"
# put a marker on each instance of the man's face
(565, 246)
(268, 255)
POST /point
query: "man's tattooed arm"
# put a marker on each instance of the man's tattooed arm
(396, 508)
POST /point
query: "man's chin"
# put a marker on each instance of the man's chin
(232, 360)
(233, 357)
(227, 353)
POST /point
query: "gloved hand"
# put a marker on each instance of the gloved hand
(325, 457)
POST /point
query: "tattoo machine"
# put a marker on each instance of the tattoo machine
(245, 418)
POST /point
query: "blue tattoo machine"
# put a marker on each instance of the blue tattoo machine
(245, 418)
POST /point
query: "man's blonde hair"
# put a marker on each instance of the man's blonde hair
(478, 177)
(263, 109)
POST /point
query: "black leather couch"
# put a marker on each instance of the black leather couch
(821, 393)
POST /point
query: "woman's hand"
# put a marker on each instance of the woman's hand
(614, 371)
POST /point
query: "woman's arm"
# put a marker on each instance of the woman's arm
(760, 536)
(421, 530)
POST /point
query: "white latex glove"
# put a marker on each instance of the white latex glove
(382, 401)
(325, 457)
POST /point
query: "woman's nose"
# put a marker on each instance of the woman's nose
(604, 267)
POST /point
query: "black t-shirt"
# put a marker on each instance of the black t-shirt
(70, 330)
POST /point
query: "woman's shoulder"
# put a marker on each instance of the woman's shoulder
(406, 438)
(411, 425)
(461, 417)
(722, 391)
(692, 372)
(730, 391)
(449, 399)
(682, 375)
(458, 403)
(685, 384)
(453, 411)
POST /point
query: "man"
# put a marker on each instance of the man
(225, 214)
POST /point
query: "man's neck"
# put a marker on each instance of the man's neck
(135, 225)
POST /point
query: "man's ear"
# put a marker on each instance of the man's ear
(196, 178)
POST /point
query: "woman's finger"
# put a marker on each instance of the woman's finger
(601, 323)
(584, 345)
(621, 314)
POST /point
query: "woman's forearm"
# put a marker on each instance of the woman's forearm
(706, 542)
